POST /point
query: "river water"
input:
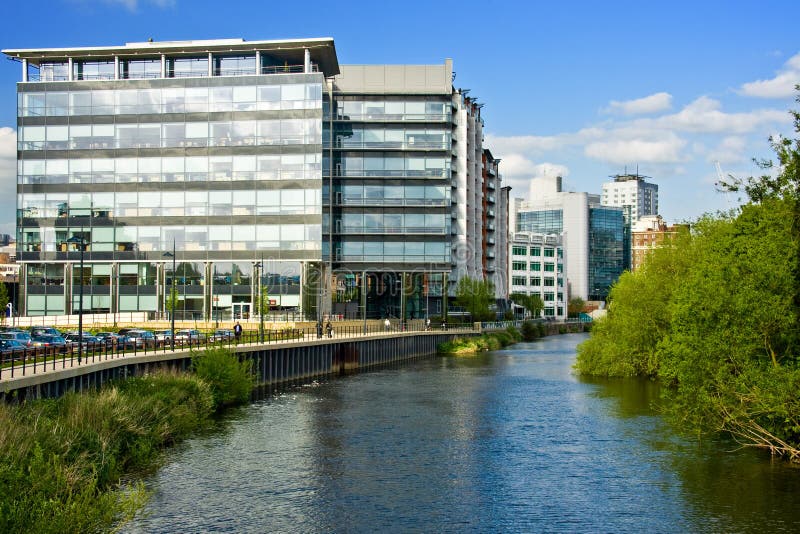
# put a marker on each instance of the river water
(507, 441)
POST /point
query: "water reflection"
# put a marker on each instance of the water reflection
(503, 441)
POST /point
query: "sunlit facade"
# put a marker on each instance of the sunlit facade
(264, 165)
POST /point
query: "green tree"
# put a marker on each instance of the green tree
(533, 304)
(575, 306)
(3, 299)
(171, 302)
(476, 296)
(262, 302)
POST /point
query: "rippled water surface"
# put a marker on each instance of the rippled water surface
(503, 441)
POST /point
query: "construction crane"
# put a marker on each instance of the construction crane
(720, 181)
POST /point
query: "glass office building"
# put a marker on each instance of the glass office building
(264, 166)
(212, 149)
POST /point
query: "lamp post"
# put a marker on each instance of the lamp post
(82, 244)
(261, 299)
(172, 297)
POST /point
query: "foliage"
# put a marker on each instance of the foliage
(533, 304)
(715, 317)
(61, 460)
(476, 296)
(231, 381)
(532, 331)
(262, 302)
(575, 306)
(171, 302)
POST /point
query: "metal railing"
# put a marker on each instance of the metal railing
(38, 360)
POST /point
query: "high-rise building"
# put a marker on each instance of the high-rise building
(593, 235)
(631, 191)
(649, 233)
(265, 165)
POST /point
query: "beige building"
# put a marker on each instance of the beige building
(649, 233)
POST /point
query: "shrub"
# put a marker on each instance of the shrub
(530, 331)
(231, 381)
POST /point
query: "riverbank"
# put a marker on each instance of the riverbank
(63, 462)
(529, 331)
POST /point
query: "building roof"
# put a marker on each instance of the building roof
(323, 50)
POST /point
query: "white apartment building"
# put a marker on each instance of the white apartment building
(536, 267)
(631, 191)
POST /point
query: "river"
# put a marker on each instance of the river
(506, 441)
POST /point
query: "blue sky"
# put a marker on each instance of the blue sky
(582, 88)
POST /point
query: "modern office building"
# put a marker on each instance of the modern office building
(631, 191)
(593, 235)
(263, 166)
(537, 268)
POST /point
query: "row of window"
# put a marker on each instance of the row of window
(171, 203)
(171, 169)
(393, 223)
(535, 251)
(536, 281)
(170, 135)
(171, 100)
(393, 195)
(548, 267)
(387, 164)
(391, 137)
(391, 110)
(438, 252)
(185, 238)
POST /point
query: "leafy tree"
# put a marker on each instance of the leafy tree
(262, 302)
(476, 296)
(533, 304)
(575, 306)
(171, 302)
(3, 298)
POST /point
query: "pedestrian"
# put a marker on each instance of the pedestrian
(237, 331)
(329, 329)
(427, 324)
(386, 324)
(319, 329)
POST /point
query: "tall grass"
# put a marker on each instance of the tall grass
(62, 461)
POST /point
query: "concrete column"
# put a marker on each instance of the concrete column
(163, 66)
(24, 70)
(210, 64)
(116, 67)
(70, 75)
(307, 61)
(258, 61)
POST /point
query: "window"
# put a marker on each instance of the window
(549, 253)
(549, 282)
(536, 267)
(536, 251)
(518, 266)
(518, 281)
(536, 281)
(549, 297)
(518, 251)
(549, 267)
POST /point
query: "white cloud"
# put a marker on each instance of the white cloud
(8, 180)
(781, 86)
(704, 115)
(637, 150)
(731, 149)
(641, 106)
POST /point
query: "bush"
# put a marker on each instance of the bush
(514, 332)
(231, 381)
(530, 331)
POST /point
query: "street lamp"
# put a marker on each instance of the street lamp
(261, 298)
(172, 297)
(82, 245)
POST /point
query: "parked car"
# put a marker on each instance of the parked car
(47, 341)
(46, 330)
(221, 334)
(22, 337)
(190, 336)
(139, 339)
(89, 341)
(12, 347)
(109, 339)
(163, 337)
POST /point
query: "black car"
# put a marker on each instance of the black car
(47, 341)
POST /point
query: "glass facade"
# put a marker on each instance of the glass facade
(541, 222)
(606, 248)
(226, 171)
